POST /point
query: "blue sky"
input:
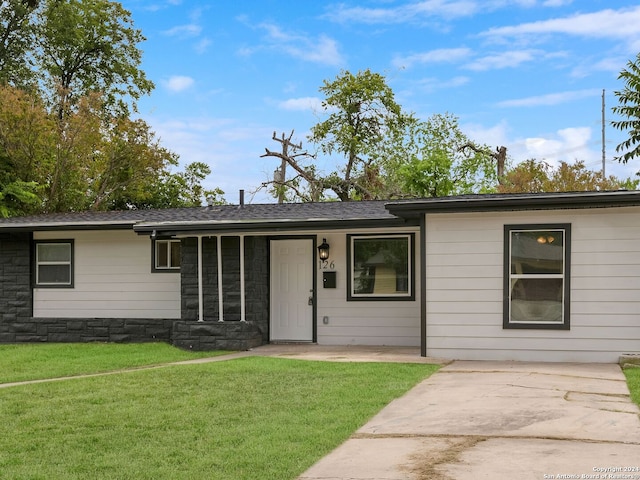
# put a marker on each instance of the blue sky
(526, 74)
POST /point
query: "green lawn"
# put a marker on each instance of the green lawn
(247, 418)
(633, 380)
(51, 360)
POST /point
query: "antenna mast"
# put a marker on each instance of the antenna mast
(603, 147)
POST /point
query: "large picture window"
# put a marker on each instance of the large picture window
(54, 263)
(166, 255)
(380, 267)
(536, 279)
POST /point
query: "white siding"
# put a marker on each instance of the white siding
(365, 322)
(112, 279)
(464, 287)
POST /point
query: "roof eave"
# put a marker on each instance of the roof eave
(533, 202)
(198, 228)
(51, 227)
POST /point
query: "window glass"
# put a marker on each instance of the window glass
(167, 254)
(162, 257)
(53, 266)
(536, 300)
(54, 252)
(54, 274)
(380, 266)
(175, 253)
(537, 252)
(537, 280)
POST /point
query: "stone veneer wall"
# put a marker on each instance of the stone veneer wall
(191, 335)
(15, 287)
(17, 324)
(119, 330)
(230, 334)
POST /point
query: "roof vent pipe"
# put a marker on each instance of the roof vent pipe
(241, 197)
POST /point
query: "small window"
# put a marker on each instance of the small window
(166, 255)
(54, 263)
(536, 276)
(380, 267)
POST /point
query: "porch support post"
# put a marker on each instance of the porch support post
(220, 301)
(243, 317)
(423, 285)
(200, 293)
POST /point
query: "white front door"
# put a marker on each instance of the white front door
(291, 290)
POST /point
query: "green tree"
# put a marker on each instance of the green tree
(435, 161)
(181, 189)
(16, 38)
(27, 140)
(85, 161)
(387, 152)
(629, 110)
(16, 196)
(85, 46)
(532, 176)
(362, 115)
(70, 144)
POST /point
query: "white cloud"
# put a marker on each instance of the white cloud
(231, 150)
(556, 3)
(203, 45)
(154, 7)
(431, 84)
(323, 49)
(313, 104)
(551, 98)
(184, 31)
(494, 136)
(441, 55)
(508, 59)
(567, 145)
(421, 11)
(178, 83)
(586, 68)
(623, 23)
(411, 12)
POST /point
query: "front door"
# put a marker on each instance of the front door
(292, 290)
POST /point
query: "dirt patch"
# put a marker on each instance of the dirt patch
(425, 465)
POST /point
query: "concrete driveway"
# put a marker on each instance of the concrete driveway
(499, 420)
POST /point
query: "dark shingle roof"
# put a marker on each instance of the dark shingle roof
(217, 217)
(307, 216)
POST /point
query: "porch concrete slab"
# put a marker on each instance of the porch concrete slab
(499, 420)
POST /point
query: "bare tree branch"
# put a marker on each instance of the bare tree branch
(500, 156)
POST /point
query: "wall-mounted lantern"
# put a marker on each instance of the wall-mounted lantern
(323, 250)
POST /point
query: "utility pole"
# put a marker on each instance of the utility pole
(604, 175)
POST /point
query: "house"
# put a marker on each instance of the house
(546, 277)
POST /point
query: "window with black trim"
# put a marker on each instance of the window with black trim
(380, 267)
(536, 278)
(53, 263)
(166, 255)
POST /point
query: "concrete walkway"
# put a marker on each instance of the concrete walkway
(498, 420)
